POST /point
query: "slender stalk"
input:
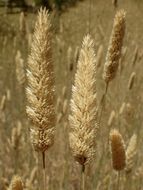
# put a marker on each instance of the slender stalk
(126, 185)
(44, 170)
(89, 17)
(102, 103)
(118, 181)
(82, 177)
(39, 174)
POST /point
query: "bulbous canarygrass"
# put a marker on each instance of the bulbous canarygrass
(83, 117)
(41, 87)
(115, 46)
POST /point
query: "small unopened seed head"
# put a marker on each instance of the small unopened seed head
(117, 150)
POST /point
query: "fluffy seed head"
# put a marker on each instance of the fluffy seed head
(83, 117)
(16, 183)
(40, 90)
(117, 150)
(114, 48)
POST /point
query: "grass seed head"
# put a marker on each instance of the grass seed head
(41, 86)
(117, 150)
(114, 48)
(83, 117)
(16, 183)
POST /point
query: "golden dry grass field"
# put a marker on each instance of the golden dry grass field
(122, 109)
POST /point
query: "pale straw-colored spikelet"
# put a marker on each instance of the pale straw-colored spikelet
(99, 55)
(122, 108)
(135, 56)
(16, 135)
(114, 48)
(139, 172)
(104, 183)
(83, 117)
(8, 94)
(64, 89)
(16, 183)
(131, 80)
(59, 118)
(32, 177)
(20, 71)
(69, 59)
(111, 118)
(58, 103)
(3, 103)
(117, 150)
(65, 106)
(22, 24)
(33, 174)
(131, 153)
(15, 39)
(76, 54)
(41, 85)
